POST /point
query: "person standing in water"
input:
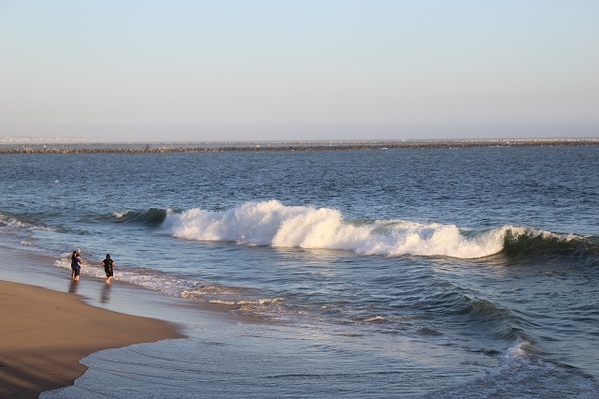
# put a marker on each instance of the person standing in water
(75, 266)
(108, 268)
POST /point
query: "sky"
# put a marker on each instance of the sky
(283, 70)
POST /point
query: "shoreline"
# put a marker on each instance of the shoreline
(50, 324)
(45, 334)
(152, 148)
(47, 330)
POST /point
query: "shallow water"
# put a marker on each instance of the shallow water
(435, 272)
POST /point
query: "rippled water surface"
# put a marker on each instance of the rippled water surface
(483, 261)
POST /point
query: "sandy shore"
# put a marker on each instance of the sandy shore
(44, 334)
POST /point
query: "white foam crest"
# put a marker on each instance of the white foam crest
(253, 223)
(87, 269)
(514, 357)
(120, 215)
(518, 232)
(13, 224)
(272, 223)
(430, 239)
(170, 285)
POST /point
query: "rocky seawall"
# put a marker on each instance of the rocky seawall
(94, 148)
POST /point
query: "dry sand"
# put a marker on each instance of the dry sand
(44, 334)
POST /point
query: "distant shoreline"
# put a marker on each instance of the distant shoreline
(141, 148)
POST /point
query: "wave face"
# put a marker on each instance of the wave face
(271, 223)
(528, 242)
(151, 217)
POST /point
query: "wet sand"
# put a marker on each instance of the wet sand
(44, 334)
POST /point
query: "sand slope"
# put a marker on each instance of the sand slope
(44, 334)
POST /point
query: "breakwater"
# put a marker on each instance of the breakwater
(149, 148)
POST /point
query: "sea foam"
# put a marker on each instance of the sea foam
(271, 223)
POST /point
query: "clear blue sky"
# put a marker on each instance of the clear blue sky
(292, 70)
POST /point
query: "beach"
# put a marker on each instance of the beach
(45, 333)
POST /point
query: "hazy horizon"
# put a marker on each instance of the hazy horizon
(142, 71)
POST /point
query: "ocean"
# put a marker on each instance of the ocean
(387, 272)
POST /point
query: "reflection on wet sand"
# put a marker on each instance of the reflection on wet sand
(73, 286)
(105, 296)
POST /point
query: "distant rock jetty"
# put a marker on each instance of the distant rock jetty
(152, 148)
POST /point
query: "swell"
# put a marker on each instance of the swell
(470, 311)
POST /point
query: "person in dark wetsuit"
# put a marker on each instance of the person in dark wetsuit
(75, 266)
(108, 268)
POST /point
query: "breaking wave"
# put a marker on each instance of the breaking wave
(273, 224)
(14, 224)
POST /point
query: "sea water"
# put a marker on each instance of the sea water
(442, 273)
